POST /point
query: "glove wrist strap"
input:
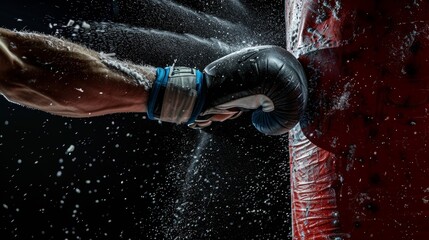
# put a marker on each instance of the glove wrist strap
(177, 95)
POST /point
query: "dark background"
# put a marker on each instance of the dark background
(130, 178)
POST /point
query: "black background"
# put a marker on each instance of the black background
(130, 178)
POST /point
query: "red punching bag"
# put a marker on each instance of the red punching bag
(359, 159)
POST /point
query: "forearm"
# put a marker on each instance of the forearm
(66, 79)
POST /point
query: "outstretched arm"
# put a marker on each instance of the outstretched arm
(62, 78)
(66, 79)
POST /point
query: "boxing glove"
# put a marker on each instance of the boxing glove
(266, 79)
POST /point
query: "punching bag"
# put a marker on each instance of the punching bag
(359, 158)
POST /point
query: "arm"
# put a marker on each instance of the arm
(66, 79)
(62, 78)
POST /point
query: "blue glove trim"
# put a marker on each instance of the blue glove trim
(161, 81)
(201, 96)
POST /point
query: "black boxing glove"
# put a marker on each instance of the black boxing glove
(267, 79)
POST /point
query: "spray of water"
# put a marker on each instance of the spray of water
(203, 139)
(239, 6)
(184, 205)
(207, 19)
(193, 37)
(152, 46)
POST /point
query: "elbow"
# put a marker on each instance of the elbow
(10, 62)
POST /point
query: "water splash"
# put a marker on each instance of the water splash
(184, 210)
(205, 18)
(194, 37)
(151, 46)
(237, 4)
(204, 138)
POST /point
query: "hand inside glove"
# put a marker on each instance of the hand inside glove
(266, 79)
